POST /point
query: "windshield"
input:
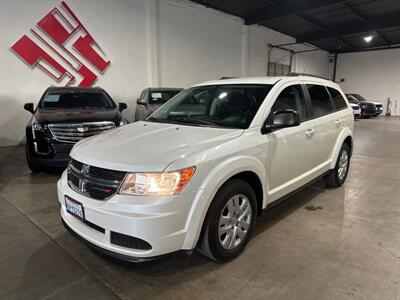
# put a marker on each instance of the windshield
(228, 106)
(359, 97)
(160, 97)
(76, 99)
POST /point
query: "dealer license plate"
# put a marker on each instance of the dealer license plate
(74, 208)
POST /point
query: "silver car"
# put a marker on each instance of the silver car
(151, 99)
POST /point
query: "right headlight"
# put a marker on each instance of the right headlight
(36, 126)
(156, 184)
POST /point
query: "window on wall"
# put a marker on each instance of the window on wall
(278, 69)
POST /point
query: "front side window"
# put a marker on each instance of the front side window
(228, 106)
(320, 100)
(292, 98)
(76, 99)
(337, 98)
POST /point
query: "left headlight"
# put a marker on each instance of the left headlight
(156, 184)
(36, 127)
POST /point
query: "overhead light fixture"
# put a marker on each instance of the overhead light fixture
(368, 38)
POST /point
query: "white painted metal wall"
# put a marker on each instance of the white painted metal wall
(375, 75)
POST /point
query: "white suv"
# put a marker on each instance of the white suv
(201, 169)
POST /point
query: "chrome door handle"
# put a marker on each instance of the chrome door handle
(310, 132)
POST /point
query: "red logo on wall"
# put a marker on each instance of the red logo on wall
(71, 51)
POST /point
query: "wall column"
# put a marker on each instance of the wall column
(151, 11)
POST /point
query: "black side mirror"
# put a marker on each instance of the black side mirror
(29, 107)
(122, 106)
(281, 119)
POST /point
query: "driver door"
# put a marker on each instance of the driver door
(290, 150)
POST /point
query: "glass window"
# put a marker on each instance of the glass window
(320, 100)
(337, 98)
(76, 99)
(229, 106)
(293, 98)
(162, 96)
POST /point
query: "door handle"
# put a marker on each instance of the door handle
(337, 123)
(310, 132)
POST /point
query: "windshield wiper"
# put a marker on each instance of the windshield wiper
(188, 120)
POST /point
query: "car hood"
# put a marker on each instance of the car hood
(148, 146)
(45, 116)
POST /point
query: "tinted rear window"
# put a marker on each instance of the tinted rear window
(76, 99)
(320, 100)
(337, 98)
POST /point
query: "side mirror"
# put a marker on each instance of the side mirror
(29, 107)
(141, 101)
(122, 106)
(281, 119)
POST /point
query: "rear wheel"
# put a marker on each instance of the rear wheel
(32, 164)
(338, 175)
(229, 222)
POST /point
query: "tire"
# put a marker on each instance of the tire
(337, 176)
(219, 246)
(32, 164)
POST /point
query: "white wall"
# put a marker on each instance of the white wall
(375, 75)
(149, 42)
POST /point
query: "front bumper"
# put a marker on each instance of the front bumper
(160, 221)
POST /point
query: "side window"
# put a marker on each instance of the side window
(337, 98)
(320, 100)
(293, 98)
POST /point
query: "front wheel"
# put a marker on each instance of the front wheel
(229, 222)
(32, 164)
(337, 176)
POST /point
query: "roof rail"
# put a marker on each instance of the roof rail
(227, 77)
(293, 74)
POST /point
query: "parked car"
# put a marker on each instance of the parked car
(368, 108)
(151, 99)
(356, 109)
(201, 169)
(63, 117)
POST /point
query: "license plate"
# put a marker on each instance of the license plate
(74, 208)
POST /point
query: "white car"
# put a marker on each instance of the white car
(201, 169)
(356, 110)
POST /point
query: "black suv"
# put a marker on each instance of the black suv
(63, 117)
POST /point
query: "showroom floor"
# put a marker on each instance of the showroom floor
(320, 244)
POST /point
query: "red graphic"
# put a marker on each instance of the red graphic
(66, 39)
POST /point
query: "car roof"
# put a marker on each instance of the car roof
(268, 80)
(75, 89)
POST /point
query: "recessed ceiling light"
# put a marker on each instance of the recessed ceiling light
(368, 38)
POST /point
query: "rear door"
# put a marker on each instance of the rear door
(328, 124)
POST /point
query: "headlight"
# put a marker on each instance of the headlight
(156, 184)
(36, 127)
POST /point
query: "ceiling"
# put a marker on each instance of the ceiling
(334, 25)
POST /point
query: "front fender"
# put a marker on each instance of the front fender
(210, 186)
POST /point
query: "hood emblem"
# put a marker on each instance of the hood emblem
(83, 129)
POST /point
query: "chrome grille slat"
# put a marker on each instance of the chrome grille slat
(69, 133)
(93, 182)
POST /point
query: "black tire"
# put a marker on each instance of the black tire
(333, 179)
(32, 164)
(209, 243)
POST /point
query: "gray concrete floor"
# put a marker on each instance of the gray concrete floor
(320, 244)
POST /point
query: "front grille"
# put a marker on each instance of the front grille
(127, 241)
(93, 182)
(72, 133)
